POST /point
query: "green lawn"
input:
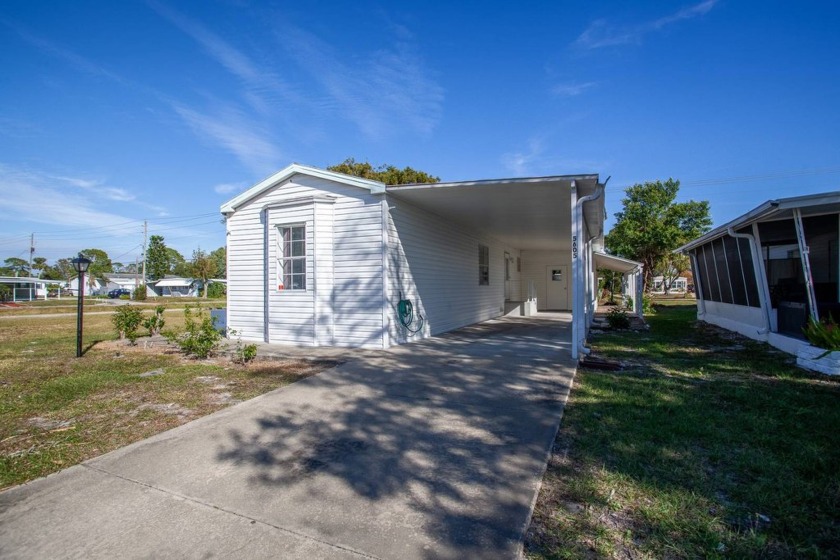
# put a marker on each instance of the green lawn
(708, 445)
(57, 410)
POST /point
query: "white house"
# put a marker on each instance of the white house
(123, 281)
(678, 285)
(764, 274)
(173, 286)
(321, 258)
(24, 288)
(92, 287)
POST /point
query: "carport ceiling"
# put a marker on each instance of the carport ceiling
(531, 214)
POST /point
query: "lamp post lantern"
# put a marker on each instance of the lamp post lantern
(80, 265)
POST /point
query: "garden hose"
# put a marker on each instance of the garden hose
(407, 318)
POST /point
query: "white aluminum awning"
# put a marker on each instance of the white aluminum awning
(618, 264)
(174, 283)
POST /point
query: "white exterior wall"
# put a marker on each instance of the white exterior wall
(344, 267)
(748, 321)
(434, 263)
(534, 265)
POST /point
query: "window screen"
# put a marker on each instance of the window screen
(291, 258)
(483, 265)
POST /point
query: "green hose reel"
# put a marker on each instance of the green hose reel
(412, 323)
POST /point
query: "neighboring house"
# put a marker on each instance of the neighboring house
(321, 258)
(24, 289)
(123, 281)
(765, 273)
(677, 285)
(173, 286)
(91, 287)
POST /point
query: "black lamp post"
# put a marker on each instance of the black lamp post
(80, 265)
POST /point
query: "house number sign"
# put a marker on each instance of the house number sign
(574, 246)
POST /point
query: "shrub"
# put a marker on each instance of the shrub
(628, 303)
(5, 292)
(200, 337)
(825, 334)
(647, 305)
(125, 297)
(126, 320)
(242, 354)
(140, 293)
(155, 322)
(618, 319)
(216, 290)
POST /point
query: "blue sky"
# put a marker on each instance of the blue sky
(116, 112)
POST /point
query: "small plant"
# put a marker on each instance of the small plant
(249, 352)
(200, 337)
(647, 305)
(127, 319)
(823, 334)
(628, 303)
(242, 354)
(618, 319)
(139, 293)
(155, 322)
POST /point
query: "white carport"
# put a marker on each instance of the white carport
(632, 271)
(537, 216)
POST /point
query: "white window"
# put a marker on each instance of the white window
(483, 265)
(291, 257)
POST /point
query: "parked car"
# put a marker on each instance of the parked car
(114, 294)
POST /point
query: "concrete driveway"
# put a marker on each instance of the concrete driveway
(428, 450)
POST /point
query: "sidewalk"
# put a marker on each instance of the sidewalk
(428, 450)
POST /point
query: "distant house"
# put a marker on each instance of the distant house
(24, 289)
(123, 281)
(174, 286)
(660, 285)
(766, 273)
(92, 286)
(325, 259)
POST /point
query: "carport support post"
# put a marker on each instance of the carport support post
(806, 265)
(575, 270)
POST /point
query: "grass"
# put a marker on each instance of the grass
(57, 410)
(707, 445)
(68, 305)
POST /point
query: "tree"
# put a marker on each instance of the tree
(178, 265)
(202, 267)
(64, 269)
(651, 224)
(670, 267)
(219, 256)
(387, 174)
(157, 258)
(16, 266)
(100, 265)
(40, 264)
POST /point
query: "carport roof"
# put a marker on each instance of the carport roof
(618, 264)
(531, 213)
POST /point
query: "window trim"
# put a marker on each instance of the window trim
(284, 280)
(483, 265)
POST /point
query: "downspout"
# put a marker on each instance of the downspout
(756, 256)
(577, 309)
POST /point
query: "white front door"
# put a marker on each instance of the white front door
(557, 287)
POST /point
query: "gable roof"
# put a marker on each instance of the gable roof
(375, 187)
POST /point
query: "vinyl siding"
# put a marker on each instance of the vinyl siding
(534, 265)
(434, 264)
(342, 304)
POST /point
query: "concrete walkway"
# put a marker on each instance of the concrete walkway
(428, 450)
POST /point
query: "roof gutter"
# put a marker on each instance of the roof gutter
(756, 259)
(578, 311)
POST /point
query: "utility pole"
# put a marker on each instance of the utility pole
(145, 235)
(31, 252)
